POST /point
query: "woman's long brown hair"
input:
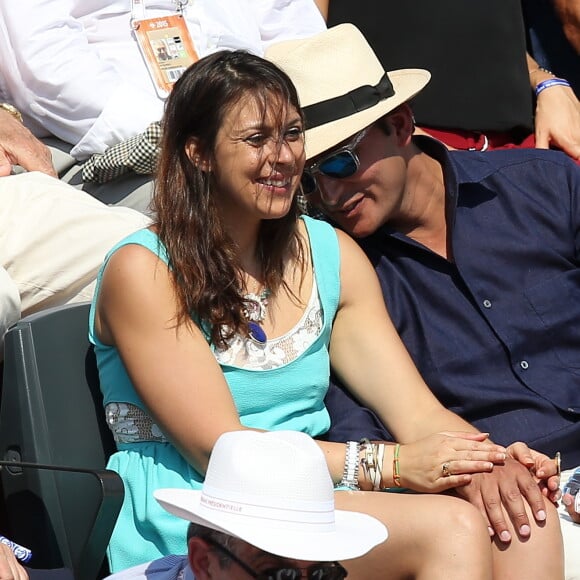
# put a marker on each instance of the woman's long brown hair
(202, 256)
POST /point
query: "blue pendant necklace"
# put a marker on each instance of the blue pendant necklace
(255, 311)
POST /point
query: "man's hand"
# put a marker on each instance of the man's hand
(505, 491)
(545, 469)
(18, 146)
(572, 506)
(558, 120)
(10, 569)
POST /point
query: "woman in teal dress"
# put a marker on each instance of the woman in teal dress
(227, 313)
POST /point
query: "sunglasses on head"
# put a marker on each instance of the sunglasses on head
(339, 164)
(322, 571)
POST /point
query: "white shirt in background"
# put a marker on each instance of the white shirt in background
(74, 69)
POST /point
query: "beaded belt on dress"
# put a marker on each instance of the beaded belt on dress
(130, 424)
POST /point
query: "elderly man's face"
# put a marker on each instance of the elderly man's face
(242, 561)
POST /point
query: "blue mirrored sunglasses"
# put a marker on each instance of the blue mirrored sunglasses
(322, 571)
(339, 164)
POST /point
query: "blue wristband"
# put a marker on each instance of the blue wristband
(551, 83)
(22, 553)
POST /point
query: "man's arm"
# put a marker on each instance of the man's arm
(10, 569)
(569, 13)
(570, 503)
(323, 6)
(57, 75)
(19, 147)
(557, 120)
(281, 20)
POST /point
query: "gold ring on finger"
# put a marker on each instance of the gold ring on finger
(445, 470)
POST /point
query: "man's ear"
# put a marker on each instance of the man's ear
(196, 155)
(198, 555)
(403, 123)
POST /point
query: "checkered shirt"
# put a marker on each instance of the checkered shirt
(139, 154)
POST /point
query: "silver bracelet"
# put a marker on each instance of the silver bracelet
(351, 466)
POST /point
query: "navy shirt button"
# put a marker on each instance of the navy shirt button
(571, 410)
(487, 303)
(524, 364)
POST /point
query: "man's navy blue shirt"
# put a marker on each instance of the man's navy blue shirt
(495, 333)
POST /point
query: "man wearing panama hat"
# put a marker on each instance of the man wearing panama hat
(245, 524)
(478, 253)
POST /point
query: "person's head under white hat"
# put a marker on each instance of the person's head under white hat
(266, 510)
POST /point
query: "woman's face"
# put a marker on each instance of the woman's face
(258, 160)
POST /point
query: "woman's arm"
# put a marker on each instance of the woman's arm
(174, 371)
(369, 356)
(171, 366)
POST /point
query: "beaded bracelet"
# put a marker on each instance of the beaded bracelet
(540, 68)
(550, 83)
(396, 467)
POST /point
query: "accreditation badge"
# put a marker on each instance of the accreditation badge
(167, 48)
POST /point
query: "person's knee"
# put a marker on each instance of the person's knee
(458, 538)
(454, 524)
(469, 519)
(464, 524)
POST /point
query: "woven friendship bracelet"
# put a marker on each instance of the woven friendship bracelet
(551, 83)
(396, 467)
(377, 484)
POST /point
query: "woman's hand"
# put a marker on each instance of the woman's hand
(446, 460)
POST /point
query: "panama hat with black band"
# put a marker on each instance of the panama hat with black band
(342, 86)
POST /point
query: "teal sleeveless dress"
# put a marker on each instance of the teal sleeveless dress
(290, 396)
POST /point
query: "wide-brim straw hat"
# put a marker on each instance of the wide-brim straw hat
(338, 77)
(273, 490)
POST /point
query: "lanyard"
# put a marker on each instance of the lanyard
(165, 44)
(138, 9)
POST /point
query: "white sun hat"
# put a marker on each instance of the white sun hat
(273, 490)
(342, 85)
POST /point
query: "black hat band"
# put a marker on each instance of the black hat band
(354, 101)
